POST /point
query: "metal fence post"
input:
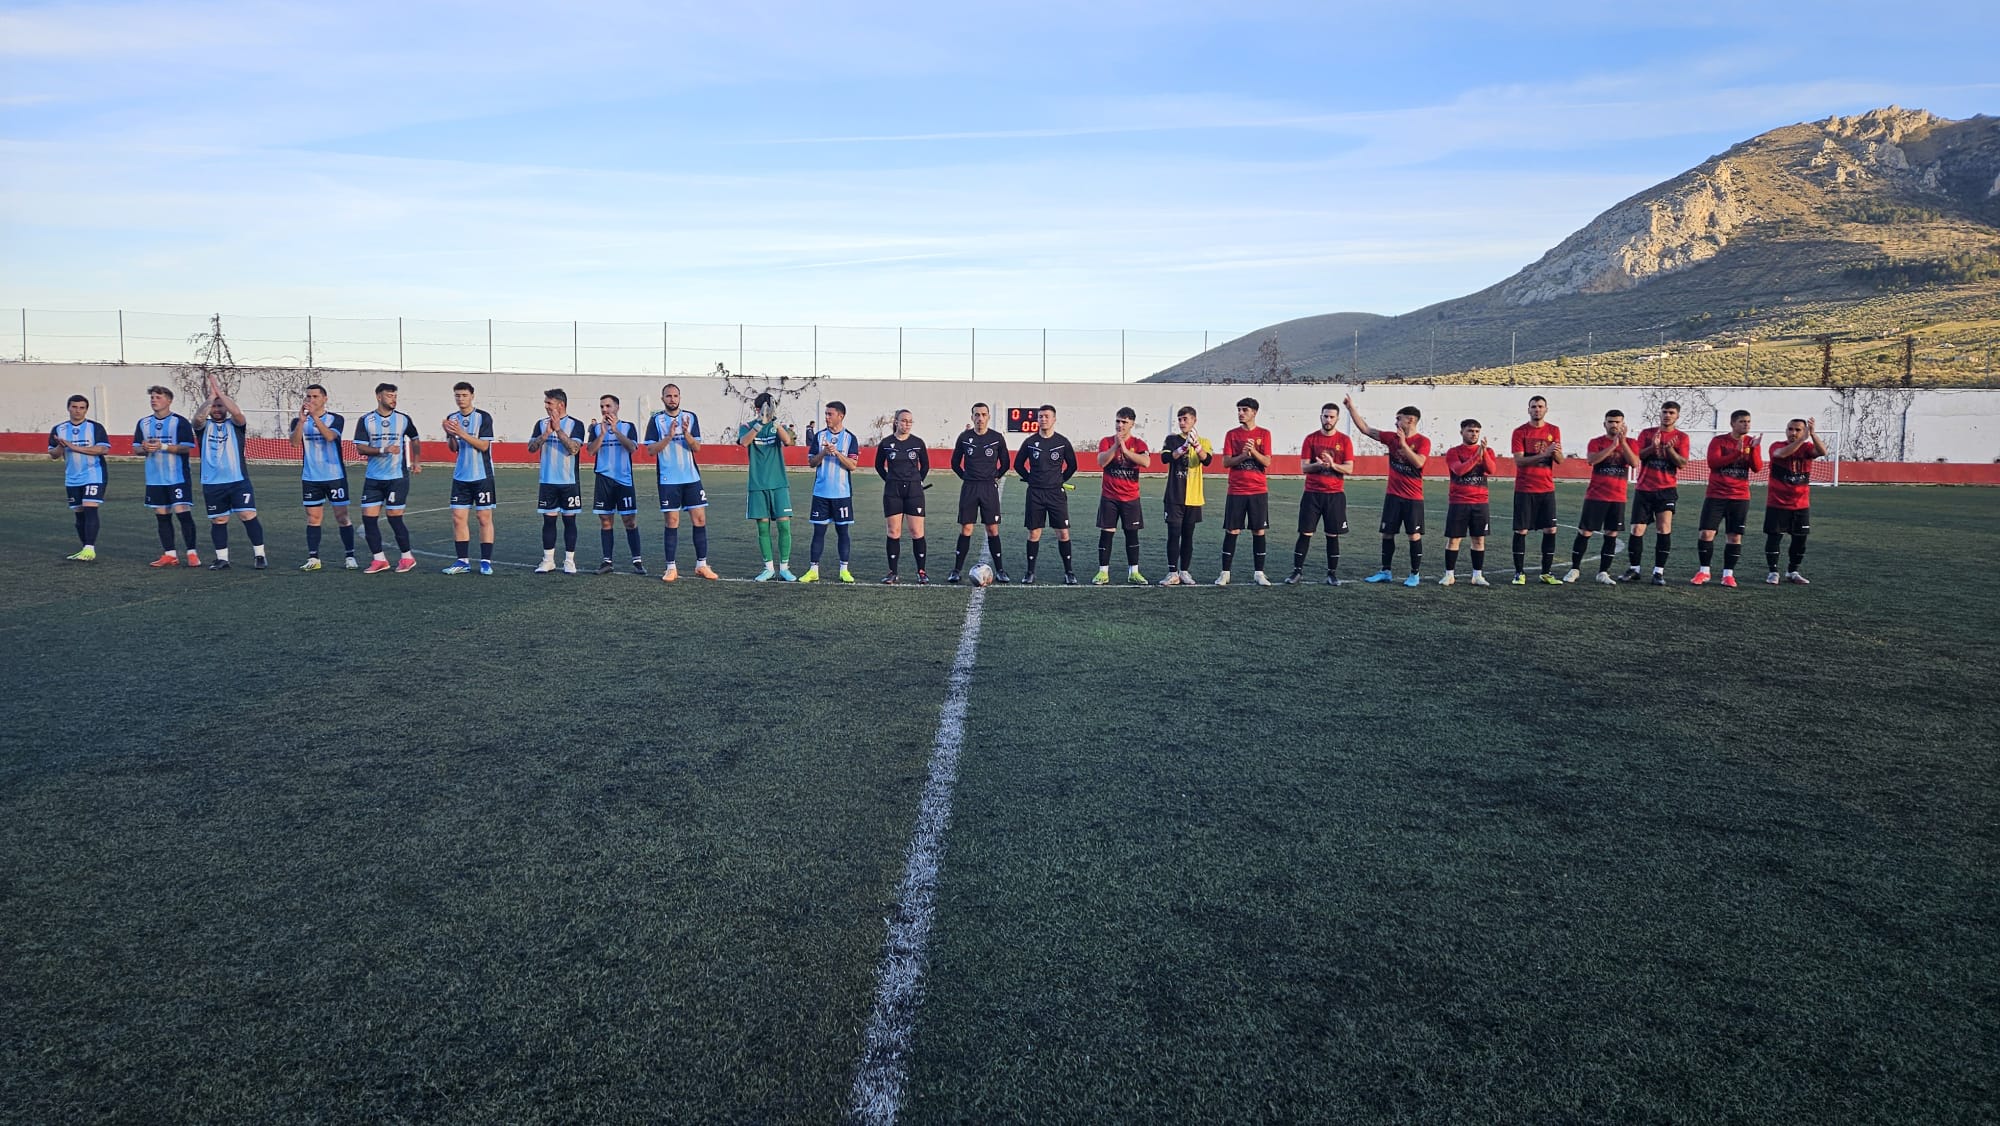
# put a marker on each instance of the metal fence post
(489, 345)
(739, 349)
(309, 340)
(575, 351)
(1045, 355)
(121, 336)
(399, 345)
(974, 357)
(24, 334)
(1121, 355)
(899, 348)
(815, 371)
(663, 349)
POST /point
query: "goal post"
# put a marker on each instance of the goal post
(1825, 470)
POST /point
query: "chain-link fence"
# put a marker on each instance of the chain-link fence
(555, 347)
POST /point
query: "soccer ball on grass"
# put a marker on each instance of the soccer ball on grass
(981, 574)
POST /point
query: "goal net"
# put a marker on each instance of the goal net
(1825, 470)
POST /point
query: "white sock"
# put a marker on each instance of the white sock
(548, 555)
(222, 553)
(257, 549)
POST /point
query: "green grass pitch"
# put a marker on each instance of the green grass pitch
(285, 847)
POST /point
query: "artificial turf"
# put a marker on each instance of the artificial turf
(314, 847)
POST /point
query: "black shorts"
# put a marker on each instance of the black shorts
(1602, 516)
(1402, 514)
(474, 494)
(167, 496)
(228, 498)
(1461, 520)
(979, 502)
(1119, 514)
(1050, 506)
(610, 498)
(559, 500)
(1534, 512)
(833, 510)
(1246, 510)
(392, 495)
(1650, 503)
(902, 498)
(1787, 521)
(1323, 509)
(81, 495)
(1183, 514)
(317, 493)
(683, 497)
(1732, 514)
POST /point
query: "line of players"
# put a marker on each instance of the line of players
(388, 441)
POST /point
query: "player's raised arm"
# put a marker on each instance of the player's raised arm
(1360, 424)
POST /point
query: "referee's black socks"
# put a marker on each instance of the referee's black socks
(918, 548)
(958, 555)
(1063, 549)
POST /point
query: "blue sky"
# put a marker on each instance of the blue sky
(1154, 165)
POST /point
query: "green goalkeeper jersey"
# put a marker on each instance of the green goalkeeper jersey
(767, 455)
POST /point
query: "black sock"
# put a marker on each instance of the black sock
(347, 538)
(1332, 554)
(548, 533)
(372, 525)
(844, 540)
(1063, 549)
(402, 532)
(254, 528)
(218, 534)
(1704, 550)
(1451, 561)
(485, 551)
(1663, 546)
(1258, 543)
(1772, 542)
(1798, 549)
(632, 541)
(958, 553)
(1732, 554)
(993, 549)
(895, 549)
(1548, 552)
(608, 541)
(1228, 551)
(80, 538)
(1388, 552)
(819, 543)
(1576, 550)
(569, 535)
(670, 544)
(313, 534)
(1520, 552)
(1609, 554)
(1633, 548)
(1187, 543)
(1034, 549)
(1131, 547)
(1478, 559)
(91, 522)
(919, 547)
(700, 542)
(1104, 537)
(1173, 546)
(187, 528)
(166, 531)
(1299, 548)
(1416, 556)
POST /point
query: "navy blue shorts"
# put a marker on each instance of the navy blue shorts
(473, 494)
(609, 498)
(559, 500)
(81, 495)
(833, 510)
(392, 495)
(318, 493)
(228, 498)
(167, 496)
(683, 497)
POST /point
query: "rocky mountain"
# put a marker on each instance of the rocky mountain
(1888, 216)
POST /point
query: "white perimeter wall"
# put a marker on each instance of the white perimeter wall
(1877, 423)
